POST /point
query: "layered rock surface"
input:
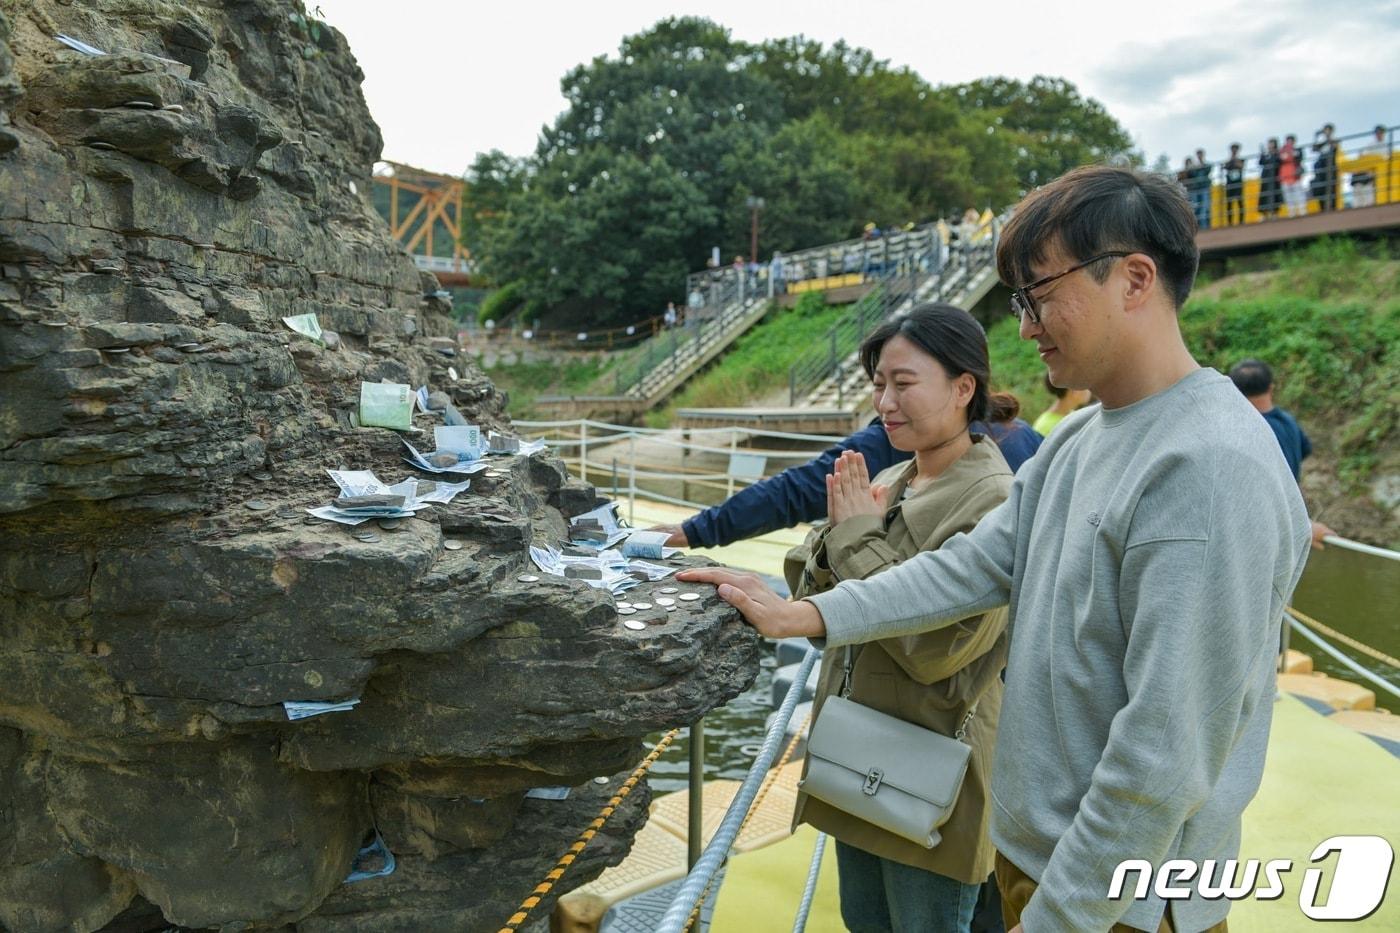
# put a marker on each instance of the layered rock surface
(162, 207)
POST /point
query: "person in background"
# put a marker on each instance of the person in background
(1147, 551)
(1324, 178)
(1255, 380)
(1363, 184)
(1290, 176)
(1200, 190)
(1067, 401)
(1183, 177)
(930, 375)
(1269, 192)
(967, 230)
(777, 273)
(670, 317)
(798, 494)
(1234, 187)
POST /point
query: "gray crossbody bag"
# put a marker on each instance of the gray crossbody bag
(890, 773)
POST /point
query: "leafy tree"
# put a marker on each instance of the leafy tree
(1051, 128)
(596, 233)
(661, 145)
(493, 181)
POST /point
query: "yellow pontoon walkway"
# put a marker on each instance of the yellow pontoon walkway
(1321, 779)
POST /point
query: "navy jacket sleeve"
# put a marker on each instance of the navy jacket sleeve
(1017, 439)
(798, 494)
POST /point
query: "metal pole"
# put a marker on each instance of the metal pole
(583, 451)
(733, 448)
(685, 451)
(632, 478)
(695, 825)
(614, 476)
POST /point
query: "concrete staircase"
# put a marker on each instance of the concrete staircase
(709, 339)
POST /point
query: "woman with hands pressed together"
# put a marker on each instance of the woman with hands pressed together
(930, 376)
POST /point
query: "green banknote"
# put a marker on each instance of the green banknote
(386, 405)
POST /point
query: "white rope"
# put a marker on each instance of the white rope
(698, 879)
(804, 907)
(1360, 548)
(1343, 659)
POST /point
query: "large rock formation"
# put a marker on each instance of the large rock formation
(162, 207)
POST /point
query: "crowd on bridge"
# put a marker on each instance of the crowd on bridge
(1290, 175)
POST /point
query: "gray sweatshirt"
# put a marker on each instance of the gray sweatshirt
(1147, 553)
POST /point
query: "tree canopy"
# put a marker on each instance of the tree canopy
(660, 147)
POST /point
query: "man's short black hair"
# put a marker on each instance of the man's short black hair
(1098, 208)
(1252, 377)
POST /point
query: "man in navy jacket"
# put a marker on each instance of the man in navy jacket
(798, 494)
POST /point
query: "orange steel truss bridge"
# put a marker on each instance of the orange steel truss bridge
(423, 210)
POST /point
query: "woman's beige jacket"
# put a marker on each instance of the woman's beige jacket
(931, 679)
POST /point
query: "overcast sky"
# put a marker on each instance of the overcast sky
(446, 80)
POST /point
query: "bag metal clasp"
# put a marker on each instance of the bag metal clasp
(873, 777)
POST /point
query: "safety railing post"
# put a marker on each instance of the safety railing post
(733, 449)
(695, 822)
(583, 451)
(632, 478)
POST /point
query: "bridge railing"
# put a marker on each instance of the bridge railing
(1364, 172)
(830, 353)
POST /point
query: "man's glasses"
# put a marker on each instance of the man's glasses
(1023, 302)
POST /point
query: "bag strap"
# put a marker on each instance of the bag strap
(845, 692)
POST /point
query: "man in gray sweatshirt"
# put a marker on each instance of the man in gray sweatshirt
(1146, 552)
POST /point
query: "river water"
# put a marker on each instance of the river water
(1353, 593)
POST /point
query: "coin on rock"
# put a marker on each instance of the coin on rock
(627, 611)
(313, 520)
(389, 524)
(665, 602)
(452, 544)
(635, 625)
(690, 597)
(624, 605)
(494, 474)
(528, 578)
(368, 537)
(257, 505)
(641, 605)
(600, 780)
(261, 476)
(140, 105)
(668, 590)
